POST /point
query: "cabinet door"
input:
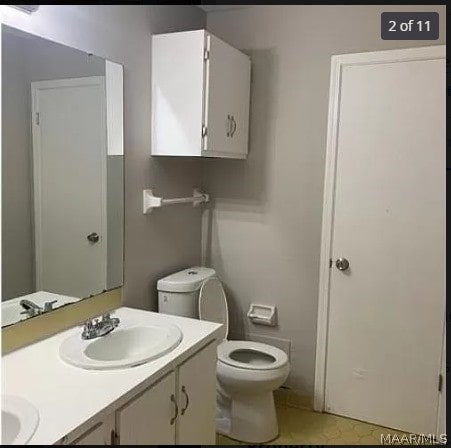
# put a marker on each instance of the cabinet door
(150, 418)
(101, 434)
(197, 398)
(177, 93)
(227, 100)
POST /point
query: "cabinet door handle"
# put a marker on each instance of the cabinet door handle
(229, 125)
(232, 132)
(176, 409)
(187, 400)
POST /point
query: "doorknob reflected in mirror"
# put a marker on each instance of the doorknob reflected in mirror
(93, 237)
(342, 264)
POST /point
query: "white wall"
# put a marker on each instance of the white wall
(158, 244)
(263, 235)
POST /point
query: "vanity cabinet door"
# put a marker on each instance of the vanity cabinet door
(197, 398)
(101, 434)
(149, 419)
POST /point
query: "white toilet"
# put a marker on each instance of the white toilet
(247, 372)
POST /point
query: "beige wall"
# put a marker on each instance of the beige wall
(163, 242)
(17, 226)
(263, 236)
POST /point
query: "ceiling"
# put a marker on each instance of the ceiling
(215, 8)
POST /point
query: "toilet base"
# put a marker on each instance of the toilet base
(248, 418)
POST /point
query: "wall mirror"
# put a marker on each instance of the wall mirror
(62, 175)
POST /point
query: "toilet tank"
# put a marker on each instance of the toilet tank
(178, 293)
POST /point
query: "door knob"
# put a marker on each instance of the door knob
(93, 237)
(342, 264)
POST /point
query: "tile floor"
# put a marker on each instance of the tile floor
(305, 427)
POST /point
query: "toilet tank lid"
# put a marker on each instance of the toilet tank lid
(188, 280)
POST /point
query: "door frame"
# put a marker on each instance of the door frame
(36, 149)
(337, 64)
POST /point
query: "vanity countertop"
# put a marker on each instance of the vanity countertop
(68, 397)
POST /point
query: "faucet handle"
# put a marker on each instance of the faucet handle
(87, 329)
(86, 325)
(48, 306)
(111, 320)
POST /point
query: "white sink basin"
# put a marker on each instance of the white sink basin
(11, 312)
(19, 420)
(123, 347)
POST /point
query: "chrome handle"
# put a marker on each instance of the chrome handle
(93, 237)
(342, 264)
(48, 306)
(176, 409)
(187, 400)
(234, 126)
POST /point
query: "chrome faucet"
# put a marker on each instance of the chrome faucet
(94, 328)
(32, 309)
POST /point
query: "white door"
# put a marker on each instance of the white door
(227, 100)
(150, 419)
(69, 147)
(387, 309)
(197, 399)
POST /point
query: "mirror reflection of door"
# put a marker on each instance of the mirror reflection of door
(69, 153)
(62, 175)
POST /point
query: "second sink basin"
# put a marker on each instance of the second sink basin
(19, 420)
(123, 347)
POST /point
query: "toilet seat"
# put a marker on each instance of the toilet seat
(239, 354)
(213, 305)
(251, 355)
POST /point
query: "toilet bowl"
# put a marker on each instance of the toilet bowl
(247, 374)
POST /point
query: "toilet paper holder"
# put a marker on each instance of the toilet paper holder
(263, 314)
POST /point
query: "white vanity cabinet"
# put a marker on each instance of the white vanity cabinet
(200, 96)
(150, 418)
(103, 433)
(179, 409)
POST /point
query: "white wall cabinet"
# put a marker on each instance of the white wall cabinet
(179, 409)
(200, 96)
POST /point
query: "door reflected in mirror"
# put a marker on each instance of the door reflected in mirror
(62, 175)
